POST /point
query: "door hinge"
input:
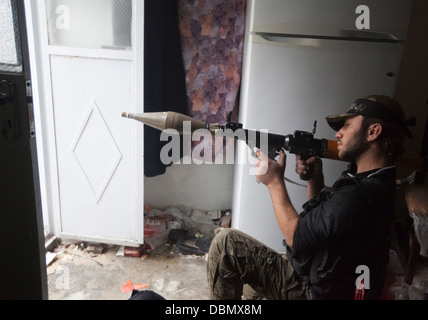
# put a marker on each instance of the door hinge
(29, 94)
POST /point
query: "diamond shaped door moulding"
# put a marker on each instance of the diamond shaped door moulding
(96, 151)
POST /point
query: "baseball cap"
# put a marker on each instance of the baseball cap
(372, 109)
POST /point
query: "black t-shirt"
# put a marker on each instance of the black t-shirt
(343, 228)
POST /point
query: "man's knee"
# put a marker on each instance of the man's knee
(220, 241)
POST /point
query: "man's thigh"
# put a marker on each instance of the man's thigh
(236, 259)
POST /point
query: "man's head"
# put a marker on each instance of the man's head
(375, 119)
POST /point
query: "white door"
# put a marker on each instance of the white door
(91, 58)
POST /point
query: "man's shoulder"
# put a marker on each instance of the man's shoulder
(372, 184)
(379, 175)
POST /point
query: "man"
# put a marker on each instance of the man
(342, 230)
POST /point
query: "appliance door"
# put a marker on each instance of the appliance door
(288, 83)
(330, 17)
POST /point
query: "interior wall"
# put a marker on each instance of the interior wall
(412, 84)
(204, 187)
(412, 91)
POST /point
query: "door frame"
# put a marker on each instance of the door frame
(25, 275)
(40, 52)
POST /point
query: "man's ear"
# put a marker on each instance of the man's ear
(374, 132)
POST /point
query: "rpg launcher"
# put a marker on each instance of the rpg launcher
(304, 144)
(301, 142)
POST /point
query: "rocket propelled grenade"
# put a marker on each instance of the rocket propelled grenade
(170, 120)
(301, 142)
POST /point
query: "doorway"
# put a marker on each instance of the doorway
(88, 69)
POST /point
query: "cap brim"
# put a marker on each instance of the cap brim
(336, 122)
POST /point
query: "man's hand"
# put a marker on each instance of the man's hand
(268, 171)
(302, 166)
(316, 182)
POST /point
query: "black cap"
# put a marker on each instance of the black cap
(372, 109)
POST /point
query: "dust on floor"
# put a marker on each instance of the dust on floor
(77, 274)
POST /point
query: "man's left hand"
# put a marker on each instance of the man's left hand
(268, 171)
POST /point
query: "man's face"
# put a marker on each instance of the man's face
(352, 139)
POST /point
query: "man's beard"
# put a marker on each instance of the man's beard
(354, 147)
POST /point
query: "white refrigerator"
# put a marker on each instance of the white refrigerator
(304, 60)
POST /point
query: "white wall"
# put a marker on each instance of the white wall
(204, 187)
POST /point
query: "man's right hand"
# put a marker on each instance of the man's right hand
(302, 166)
(316, 182)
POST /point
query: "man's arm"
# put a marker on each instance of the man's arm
(273, 177)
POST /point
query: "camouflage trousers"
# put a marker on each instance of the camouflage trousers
(239, 265)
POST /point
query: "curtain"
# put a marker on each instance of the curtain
(193, 63)
(212, 39)
(164, 78)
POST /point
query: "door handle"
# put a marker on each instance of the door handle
(369, 36)
(8, 112)
(284, 40)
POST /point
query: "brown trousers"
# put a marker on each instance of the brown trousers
(240, 265)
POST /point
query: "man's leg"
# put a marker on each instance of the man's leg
(236, 259)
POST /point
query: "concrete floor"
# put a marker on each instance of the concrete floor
(77, 274)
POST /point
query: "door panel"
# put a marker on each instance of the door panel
(90, 69)
(95, 148)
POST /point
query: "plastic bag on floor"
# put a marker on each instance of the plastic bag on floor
(420, 222)
(158, 223)
(202, 222)
(407, 292)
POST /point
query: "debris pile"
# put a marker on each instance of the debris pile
(68, 250)
(190, 231)
(404, 291)
(168, 233)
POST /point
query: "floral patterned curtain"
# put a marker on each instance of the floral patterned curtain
(212, 39)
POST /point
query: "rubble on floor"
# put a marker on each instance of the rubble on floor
(172, 261)
(80, 273)
(398, 289)
(189, 229)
